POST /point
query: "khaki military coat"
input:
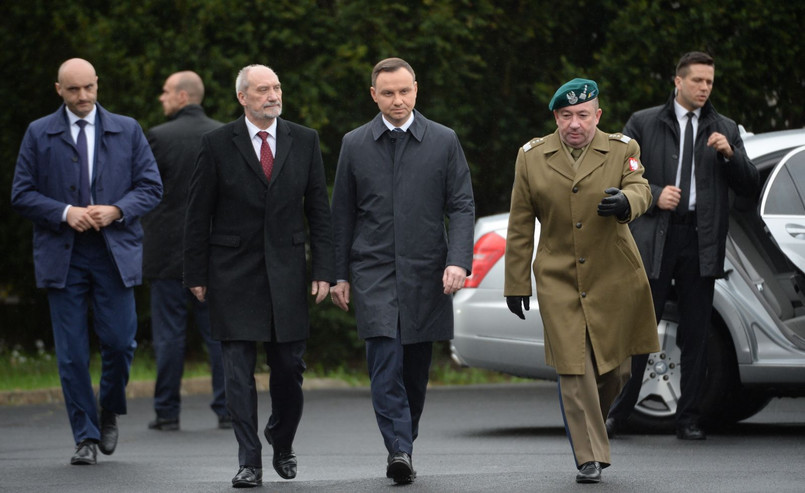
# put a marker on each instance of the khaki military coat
(589, 275)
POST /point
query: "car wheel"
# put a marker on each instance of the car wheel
(724, 400)
(659, 394)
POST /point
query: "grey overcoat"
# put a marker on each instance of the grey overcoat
(391, 238)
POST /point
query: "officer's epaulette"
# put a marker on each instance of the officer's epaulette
(533, 143)
(619, 136)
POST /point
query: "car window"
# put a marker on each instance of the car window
(783, 206)
(784, 197)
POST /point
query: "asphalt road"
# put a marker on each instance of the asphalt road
(496, 438)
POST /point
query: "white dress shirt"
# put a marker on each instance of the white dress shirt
(257, 142)
(89, 132)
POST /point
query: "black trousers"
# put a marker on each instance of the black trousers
(680, 263)
(285, 387)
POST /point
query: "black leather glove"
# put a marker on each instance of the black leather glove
(615, 205)
(516, 305)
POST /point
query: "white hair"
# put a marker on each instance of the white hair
(242, 80)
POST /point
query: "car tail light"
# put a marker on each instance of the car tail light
(487, 251)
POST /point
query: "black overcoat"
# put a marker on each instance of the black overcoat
(657, 131)
(245, 238)
(391, 238)
(175, 145)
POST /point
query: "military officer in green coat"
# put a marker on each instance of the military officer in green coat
(583, 186)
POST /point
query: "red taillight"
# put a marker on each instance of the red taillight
(487, 251)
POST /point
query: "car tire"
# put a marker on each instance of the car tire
(724, 400)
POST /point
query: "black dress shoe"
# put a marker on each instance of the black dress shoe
(224, 422)
(284, 461)
(86, 454)
(690, 432)
(108, 441)
(248, 477)
(400, 468)
(164, 424)
(589, 472)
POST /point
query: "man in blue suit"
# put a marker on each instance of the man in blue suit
(85, 176)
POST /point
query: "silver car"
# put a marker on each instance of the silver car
(757, 332)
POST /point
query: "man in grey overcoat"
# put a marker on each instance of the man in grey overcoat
(399, 178)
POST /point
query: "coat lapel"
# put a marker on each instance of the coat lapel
(240, 137)
(284, 143)
(595, 156)
(556, 157)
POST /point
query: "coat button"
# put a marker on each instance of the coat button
(578, 225)
(575, 189)
(66, 246)
(584, 294)
(72, 188)
(582, 260)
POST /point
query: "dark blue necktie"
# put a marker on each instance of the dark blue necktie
(395, 134)
(83, 157)
(687, 166)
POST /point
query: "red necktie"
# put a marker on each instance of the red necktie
(266, 158)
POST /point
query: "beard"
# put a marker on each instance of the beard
(267, 112)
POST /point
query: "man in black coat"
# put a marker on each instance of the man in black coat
(256, 182)
(693, 156)
(400, 178)
(175, 145)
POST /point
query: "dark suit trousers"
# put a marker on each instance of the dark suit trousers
(169, 310)
(285, 387)
(92, 276)
(680, 263)
(399, 380)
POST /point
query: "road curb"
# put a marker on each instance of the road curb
(145, 388)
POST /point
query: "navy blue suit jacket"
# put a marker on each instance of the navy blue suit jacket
(46, 181)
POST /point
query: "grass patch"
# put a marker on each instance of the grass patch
(39, 370)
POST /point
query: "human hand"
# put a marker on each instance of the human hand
(80, 219)
(615, 205)
(200, 292)
(516, 305)
(319, 289)
(669, 198)
(104, 215)
(720, 143)
(340, 295)
(453, 278)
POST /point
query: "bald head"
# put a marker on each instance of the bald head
(77, 85)
(181, 89)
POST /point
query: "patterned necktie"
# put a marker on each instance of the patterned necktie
(266, 158)
(687, 166)
(83, 157)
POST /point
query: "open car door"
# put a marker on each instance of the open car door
(782, 206)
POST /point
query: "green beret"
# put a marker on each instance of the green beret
(576, 91)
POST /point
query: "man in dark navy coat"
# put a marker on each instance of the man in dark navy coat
(85, 176)
(256, 182)
(400, 177)
(176, 144)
